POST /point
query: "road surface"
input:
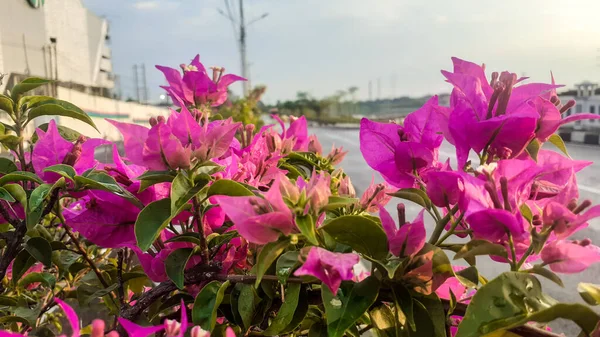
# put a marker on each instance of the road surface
(589, 186)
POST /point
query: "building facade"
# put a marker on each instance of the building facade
(587, 98)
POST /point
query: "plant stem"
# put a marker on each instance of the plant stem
(85, 255)
(440, 225)
(512, 252)
(524, 258)
(451, 231)
(120, 258)
(203, 244)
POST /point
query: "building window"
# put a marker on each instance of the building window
(593, 111)
(569, 112)
(578, 108)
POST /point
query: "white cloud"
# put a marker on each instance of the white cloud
(146, 5)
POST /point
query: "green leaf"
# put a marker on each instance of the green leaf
(286, 264)
(65, 132)
(64, 170)
(540, 270)
(423, 322)
(6, 104)
(183, 190)
(13, 319)
(150, 178)
(363, 235)
(228, 187)
(404, 306)
(534, 148)
(98, 180)
(299, 314)
(151, 221)
(435, 311)
(8, 301)
(5, 195)
(349, 305)
(7, 166)
(40, 249)
(19, 176)
(509, 298)
(175, 265)
(247, 305)
(101, 293)
(526, 212)
(36, 203)
(382, 317)
(59, 108)
(468, 276)
(267, 256)
(317, 330)
(557, 141)
(415, 195)
(25, 86)
(186, 237)
(18, 193)
(480, 247)
(207, 304)
(45, 278)
(589, 292)
(306, 225)
(286, 312)
(21, 264)
(221, 239)
(336, 202)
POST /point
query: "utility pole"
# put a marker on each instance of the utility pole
(136, 83)
(379, 88)
(370, 90)
(144, 84)
(239, 31)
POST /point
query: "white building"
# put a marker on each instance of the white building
(587, 98)
(64, 41)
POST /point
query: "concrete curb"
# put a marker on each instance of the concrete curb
(581, 137)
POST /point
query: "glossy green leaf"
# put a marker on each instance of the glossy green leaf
(59, 108)
(98, 180)
(306, 225)
(349, 305)
(286, 312)
(286, 264)
(557, 141)
(534, 148)
(175, 265)
(382, 317)
(228, 187)
(404, 303)
(183, 190)
(40, 249)
(415, 195)
(268, 254)
(65, 132)
(64, 170)
(299, 314)
(317, 330)
(186, 237)
(13, 319)
(540, 270)
(45, 278)
(221, 239)
(36, 204)
(526, 212)
(435, 311)
(207, 304)
(8, 301)
(247, 304)
(151, 221)
(21, 264)
(6, 104)
(589, 292)
(468, 276)
(17, 192)
(509, 298)
(480, 247)
(336, 202)
(19, 176)
(363, 235)
(5, 195)
(150, 178)
(27, 85)
(7, 166)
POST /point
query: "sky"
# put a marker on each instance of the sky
(322, 46)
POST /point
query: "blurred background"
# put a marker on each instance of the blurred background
(333, 61)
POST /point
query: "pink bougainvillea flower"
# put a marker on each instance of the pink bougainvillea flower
(317, 190)
(407, 240)
(400, 153)
(494, 115)
(36, 268)
(297, 131)
(196, 87)
(172, 328)
(346, 188)
(570, 257)
(331, 268)
(163, 150)
(314, 145)
(444, 188)
(259, 220)
(51, 149)
(452, 284)
(564, 222)
(494, 224)
(375, 196)
(214, 139)
(557, 174)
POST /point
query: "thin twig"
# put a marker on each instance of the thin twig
(203, 244)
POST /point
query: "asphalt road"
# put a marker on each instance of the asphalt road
(589, 185)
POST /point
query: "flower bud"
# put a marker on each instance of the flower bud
(161, 119)
(314, 145)
(199, 332)
(153, 121)
(97, 328)
(172, 327)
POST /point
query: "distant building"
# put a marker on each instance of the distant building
(64, 41)
(587, 96)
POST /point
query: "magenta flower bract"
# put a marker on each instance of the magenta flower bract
(375, 196)
(196, 87)
(401, 153)
(259, 220)
(570, 257)
(407, 240)
(331, 268)
(493, 224)
(444, 188)
(297, 131)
